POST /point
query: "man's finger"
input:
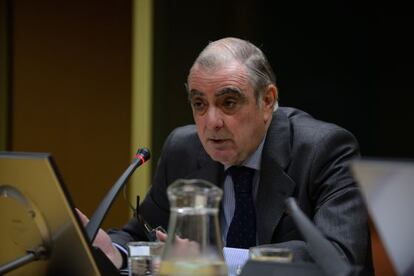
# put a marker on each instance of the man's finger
(161, 236)
(84, 219)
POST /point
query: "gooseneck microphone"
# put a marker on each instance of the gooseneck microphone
(95, 222)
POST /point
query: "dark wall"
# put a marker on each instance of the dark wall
(4, 73)
(342, 62)
(71, 93)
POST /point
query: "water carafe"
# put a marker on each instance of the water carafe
(194, 245)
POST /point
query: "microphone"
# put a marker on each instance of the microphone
(95, 222)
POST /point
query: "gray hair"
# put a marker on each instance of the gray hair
(225, 50)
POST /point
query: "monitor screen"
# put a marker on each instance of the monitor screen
(36, 213)
(388, 188)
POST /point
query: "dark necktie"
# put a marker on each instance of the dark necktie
(242, 230)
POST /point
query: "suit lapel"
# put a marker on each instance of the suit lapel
(275, 185)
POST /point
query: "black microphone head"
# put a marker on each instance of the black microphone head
(144, 153)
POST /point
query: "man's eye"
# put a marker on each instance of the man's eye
(229, 104)
(198, 105)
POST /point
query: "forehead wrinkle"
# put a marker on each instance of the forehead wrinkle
(235, 69)
(220, 81)
(223, 85)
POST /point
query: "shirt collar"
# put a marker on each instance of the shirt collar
(254, 160)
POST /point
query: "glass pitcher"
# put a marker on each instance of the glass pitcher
(194, 244)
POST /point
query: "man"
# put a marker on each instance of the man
(238, 124)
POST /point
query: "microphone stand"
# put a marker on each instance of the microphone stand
(38, 253)
(96, 220)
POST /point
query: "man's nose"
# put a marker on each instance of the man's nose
(214, 118)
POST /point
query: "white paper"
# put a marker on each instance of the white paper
(235, 259)
(139, 250)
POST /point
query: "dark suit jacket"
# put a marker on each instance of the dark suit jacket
(302, 157)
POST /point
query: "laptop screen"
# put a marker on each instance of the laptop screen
(388, 190)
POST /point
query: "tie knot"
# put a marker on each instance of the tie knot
(242, 178)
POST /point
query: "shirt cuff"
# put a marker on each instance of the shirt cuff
(124, 254)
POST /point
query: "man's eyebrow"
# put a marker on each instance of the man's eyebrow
(227, 90)
(231, 90)
(193, 93)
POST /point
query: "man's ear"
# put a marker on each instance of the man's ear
(269, 100)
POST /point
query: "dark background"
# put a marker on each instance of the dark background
(342, 62)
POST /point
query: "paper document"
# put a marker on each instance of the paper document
(235, 259)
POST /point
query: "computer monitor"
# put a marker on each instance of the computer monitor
(388, 189)
(36, 210)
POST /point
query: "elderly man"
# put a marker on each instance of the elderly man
(280, 152)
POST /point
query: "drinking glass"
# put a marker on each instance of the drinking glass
(144, 258)
(270, 254)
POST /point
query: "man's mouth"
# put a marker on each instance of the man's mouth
(217, 141)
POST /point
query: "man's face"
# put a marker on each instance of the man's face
(230, 123)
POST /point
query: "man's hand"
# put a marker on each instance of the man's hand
(161, 236)
(103, 241)
(182, 247)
